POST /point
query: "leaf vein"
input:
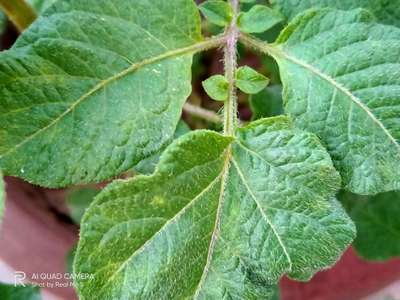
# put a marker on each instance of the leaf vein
(213, 42)
(343, 90)
(263, 214)
(174, 218)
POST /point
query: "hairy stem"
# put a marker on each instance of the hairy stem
(201, 113)
(19, 12)
(230, 61)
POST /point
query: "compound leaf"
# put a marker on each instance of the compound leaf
(221, 217)
(341, 77)
(387, 12)
(377, 222)
(94, 87)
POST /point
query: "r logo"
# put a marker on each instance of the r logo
(19, 278)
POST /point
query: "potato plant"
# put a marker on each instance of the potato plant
(93, 89)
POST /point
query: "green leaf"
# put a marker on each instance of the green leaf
(94, 87)
(377, 222)
(2, 197)
(267, 103)
(78, 200)
(250, 81)
(217, 87)
(215, 218)
(276, 295)
(340, 72)
(11, 292)
(148, 165)
(387, 12)
(217, 12)
(258, 19)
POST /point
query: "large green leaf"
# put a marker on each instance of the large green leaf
(377, 222)
(387, 12)
(95, 86)
(341, 76)
(12, 292)
(220, 219)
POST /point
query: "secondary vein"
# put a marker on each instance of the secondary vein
(150, 240)
(265, 217)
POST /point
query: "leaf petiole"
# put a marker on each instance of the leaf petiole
(19, 12)
(203, 113)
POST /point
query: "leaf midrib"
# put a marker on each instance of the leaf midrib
(223, 176)
(281, 53)
(210, 43)
(217, 226)
(177, 215)
(277, 51)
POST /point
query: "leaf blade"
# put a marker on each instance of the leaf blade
(179, 198)
(12, 292)
(148, 165)
(214, 257)
(267, 103)
(339, 101)
(376, 219)
(217, 12)
(80, 83)
(386, 12)
(250, 81)
(216, 87)
(258, 19)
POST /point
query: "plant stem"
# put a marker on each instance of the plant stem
(19, 12)
(230, 61)
(202, 113)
